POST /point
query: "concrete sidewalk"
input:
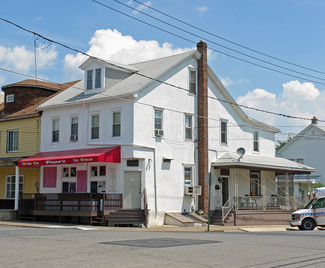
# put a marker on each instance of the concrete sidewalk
(162, 228)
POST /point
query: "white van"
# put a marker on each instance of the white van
(313, 214)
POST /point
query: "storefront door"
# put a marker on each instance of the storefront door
(132, 189)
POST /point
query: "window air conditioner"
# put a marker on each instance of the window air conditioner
(193, 190)
(159, 133)
(73, 137)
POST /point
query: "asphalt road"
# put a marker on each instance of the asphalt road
(42, 247)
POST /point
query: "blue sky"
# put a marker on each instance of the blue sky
(291, 30)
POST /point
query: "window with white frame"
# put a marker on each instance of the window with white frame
(89, 79)
(98, 171)
(117, 124)
(192, 81)
(256, 144)
(12, 141)
(95, 126)
(55, 130)
(223, 132)
(159, 123)
(255, 183)
(188, 127)
(94, 79)
(98, 78)
(10, 98)
(74, 129)
(69, 187)
(69, 172)
(11, 186)
(188, 176)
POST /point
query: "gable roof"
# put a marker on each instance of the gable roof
(147, 72)
(144, 74)
(298, 136)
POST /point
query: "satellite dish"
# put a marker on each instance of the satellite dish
(240, 151)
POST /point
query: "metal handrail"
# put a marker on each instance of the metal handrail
(224, 207)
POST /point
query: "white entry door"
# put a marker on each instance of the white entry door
(132, 189)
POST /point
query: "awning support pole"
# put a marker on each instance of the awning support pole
(17, 187)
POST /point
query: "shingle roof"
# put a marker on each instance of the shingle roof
(148, 72)
(31, 110)
(260, 161)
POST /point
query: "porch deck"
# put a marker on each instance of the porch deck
(84, 207)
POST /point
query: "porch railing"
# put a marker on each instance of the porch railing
(226, 208)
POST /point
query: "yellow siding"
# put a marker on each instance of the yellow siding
(28, 136)
(31, 175)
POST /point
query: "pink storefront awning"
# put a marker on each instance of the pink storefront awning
(105, 155)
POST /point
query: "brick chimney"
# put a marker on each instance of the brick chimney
(314, 120)
(202, 110)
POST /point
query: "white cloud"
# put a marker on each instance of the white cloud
(141, 7)
(296, 99)
(112, 45)
(22, 60)
(201, 9)
(228, 81)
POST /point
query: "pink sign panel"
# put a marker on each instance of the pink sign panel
(82, 181)
(49, 177)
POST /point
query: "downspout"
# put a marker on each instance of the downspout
(155, 180)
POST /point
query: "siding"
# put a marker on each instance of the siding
(31, 175)
(28, 136)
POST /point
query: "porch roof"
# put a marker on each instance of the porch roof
(104, 154)
(277, 164)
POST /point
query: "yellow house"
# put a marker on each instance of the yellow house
(20, 126)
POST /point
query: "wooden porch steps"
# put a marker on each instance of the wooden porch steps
(124, 217)
(216, 218)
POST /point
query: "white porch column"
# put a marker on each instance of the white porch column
(287, 191)
(17, 188)
(236, 188)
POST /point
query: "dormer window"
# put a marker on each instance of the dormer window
(10, 98)
(90, 79)
(94, 79)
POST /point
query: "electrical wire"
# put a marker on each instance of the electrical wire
(221, 52)
(227, 40)
(210, 41)
(151, 78)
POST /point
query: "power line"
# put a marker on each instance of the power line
(227, 40)
(221, 52)
(210, 41)
(151, 78)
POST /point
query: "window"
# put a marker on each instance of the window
(224, 132)
(98, 77)
(94, 79)
(132, 163)
(10, 98)
(11, 184)
(188, 127)
(89, 79)
(116, 124)
(95, 127)
(255, 183)
(69, 172)
(98, 171)
(256, 141)
(74, 129)
(12, 141)
(158, 119)
(69, 187)
(300, 160)
(55, 130)
(188, 176)
(192, 81)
